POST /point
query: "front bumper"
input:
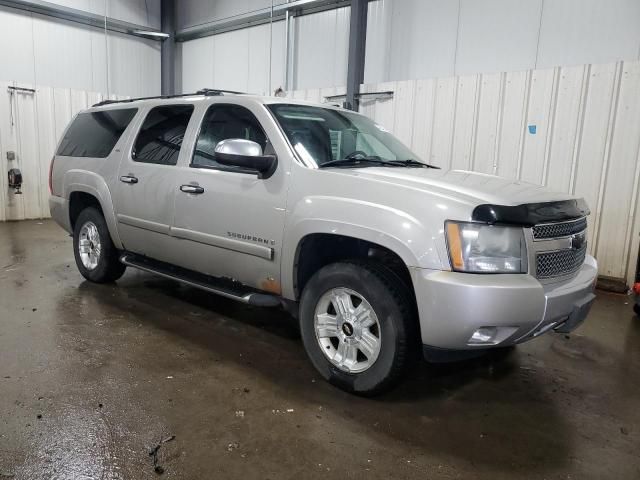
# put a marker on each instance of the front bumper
(514, 308)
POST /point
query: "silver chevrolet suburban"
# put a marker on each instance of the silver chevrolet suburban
(276, 202)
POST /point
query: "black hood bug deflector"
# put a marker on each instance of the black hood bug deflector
(530, 214)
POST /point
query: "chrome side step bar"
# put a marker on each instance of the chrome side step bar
(204, 282)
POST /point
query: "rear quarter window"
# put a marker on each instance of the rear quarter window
(94, 134)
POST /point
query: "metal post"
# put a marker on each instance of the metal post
(168, 49)
(287, 39)
(357, 43)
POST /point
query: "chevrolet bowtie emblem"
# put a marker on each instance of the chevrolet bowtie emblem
(578, 240)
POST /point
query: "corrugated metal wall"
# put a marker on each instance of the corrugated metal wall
(574, 129)
(30, 126)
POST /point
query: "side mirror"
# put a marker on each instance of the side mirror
(246, 154)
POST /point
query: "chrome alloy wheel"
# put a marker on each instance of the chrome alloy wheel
(347, 330)
(89, 246)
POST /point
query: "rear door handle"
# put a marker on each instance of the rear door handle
(191, 189)
(128, 179)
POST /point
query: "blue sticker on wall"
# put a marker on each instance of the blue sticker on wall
(532, 129)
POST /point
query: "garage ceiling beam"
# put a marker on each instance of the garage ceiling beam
(80, 16)
(258, 17)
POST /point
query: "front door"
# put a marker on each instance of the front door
(230, 221)
(144, 199)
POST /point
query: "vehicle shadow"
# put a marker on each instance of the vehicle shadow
(492, 411)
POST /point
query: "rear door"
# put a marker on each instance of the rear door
(144, 201)
(233, 226)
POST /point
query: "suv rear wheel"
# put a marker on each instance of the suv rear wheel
(96, 255)
(358, 326)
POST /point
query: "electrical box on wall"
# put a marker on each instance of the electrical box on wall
(15, 180)
(11, 155)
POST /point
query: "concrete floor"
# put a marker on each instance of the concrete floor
(93, 376)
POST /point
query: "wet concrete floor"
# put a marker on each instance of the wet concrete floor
(94, 376)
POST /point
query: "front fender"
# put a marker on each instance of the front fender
(94, 184)
(413, 241)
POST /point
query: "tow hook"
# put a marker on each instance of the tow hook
(15, 180)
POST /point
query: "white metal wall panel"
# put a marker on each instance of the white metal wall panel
(134, 66)
(512, 124)
(464, 123)
(236, 60)
(321, 49)
(488, 118)
(444, 117)
(619, 200)
(497, 35)
(423, 117)
(195, 12)
(569, 105)
(36, 49)
(573, 129)
(231, 60)
(576, 32)
(192, 12)
(413, 39)
(539, 118)
(141, 12)
(410, 39)
(197, 64)
(62, 53)
(46, 138)
(595, 138)
(16, 45)
(30, 126)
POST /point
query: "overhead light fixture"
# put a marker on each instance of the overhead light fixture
(151, 33)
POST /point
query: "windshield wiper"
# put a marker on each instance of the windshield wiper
(411, 163)
(357, 162)
(375, 162)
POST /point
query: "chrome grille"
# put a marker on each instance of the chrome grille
(557, 230)
(560, 262)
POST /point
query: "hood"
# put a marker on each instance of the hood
(479, 188)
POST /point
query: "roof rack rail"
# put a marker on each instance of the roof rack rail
(207, 92)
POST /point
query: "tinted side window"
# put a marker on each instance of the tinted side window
(94, 134)
(222, 122)
(161, 134)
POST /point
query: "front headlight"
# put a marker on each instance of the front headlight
(482, 248)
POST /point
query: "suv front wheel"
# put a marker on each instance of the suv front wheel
(96, 256)
(357, 326)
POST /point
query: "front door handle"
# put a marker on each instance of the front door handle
(191, 189)
(128, 179)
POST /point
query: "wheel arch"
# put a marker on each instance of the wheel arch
(321, 246)
(85, 189)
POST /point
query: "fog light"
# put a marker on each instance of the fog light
(484, 335)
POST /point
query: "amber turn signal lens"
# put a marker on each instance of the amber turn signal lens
(455, 247)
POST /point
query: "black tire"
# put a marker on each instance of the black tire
(109, 268)
(636, 309)
(395, 310)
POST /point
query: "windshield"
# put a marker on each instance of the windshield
(324, 136)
